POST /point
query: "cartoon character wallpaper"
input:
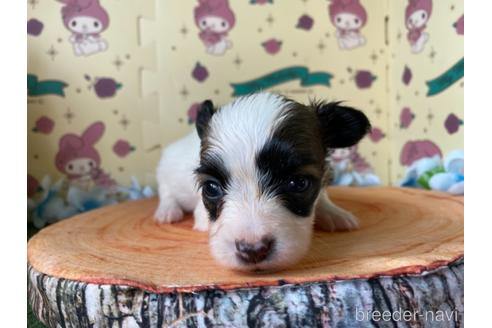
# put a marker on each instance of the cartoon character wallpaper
(278, 45)
(215, 19)
(85, 19)
(417, 14)
(348, 16)
(79, 159)
(414, 150)
(351, 169)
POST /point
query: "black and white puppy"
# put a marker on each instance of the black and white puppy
(261, 164)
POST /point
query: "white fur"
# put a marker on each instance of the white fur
(177, 192)
(236, 133)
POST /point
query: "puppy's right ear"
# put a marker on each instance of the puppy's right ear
(204, 115)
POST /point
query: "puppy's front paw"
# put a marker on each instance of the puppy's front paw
(168, 212)
(201, 217)
(338, 220)
(200, 225)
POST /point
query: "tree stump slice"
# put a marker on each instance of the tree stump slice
(115, 267)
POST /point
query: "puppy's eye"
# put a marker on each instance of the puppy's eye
(423, 15)
(96, 24)
(74, 23)
(212, 190)
(298, 184)
(356, 21)
(339, 19)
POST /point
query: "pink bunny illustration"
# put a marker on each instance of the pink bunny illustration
(86, 19)
(417, 14)
(214, 18)
(80, 161)
(348, 16)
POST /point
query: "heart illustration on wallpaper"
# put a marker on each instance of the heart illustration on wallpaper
(364, 79)
(34, 27)
(406, 117)
(272, 46)
(44, 125)
(122, 148)
(452, 123)
(459, 25)
(200, 72)
(305, 22)
(407, 75)
(376, 135)
(104, 87)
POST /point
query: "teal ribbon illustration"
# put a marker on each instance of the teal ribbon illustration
(446, 79)
(281, 76)
(41, 88)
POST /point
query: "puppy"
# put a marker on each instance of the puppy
(253, 174)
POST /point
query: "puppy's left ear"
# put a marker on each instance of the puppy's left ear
(203, 117)
(341, 126)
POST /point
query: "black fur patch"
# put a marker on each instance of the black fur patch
(341, 126)
(294, 149)
(212, 168)
(203, 117)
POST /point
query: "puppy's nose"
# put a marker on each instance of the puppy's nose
(254, 252)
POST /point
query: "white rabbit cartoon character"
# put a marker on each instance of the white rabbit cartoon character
(348, 16)
(417, 14)
(215, 19)
(86, 19)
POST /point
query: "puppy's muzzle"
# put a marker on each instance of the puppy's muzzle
(255, 252)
